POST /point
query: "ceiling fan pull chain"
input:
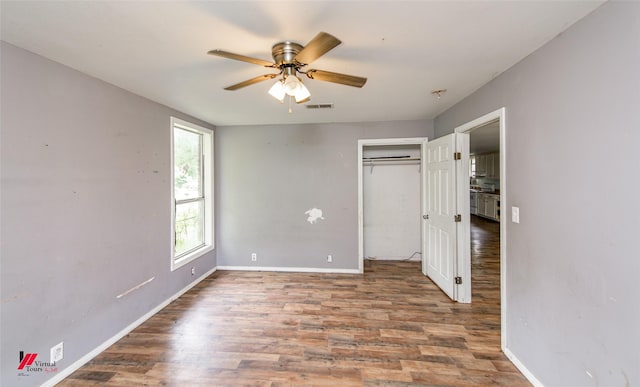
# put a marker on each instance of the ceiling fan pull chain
(290, 109)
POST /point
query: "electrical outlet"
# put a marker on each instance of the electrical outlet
(193, 271)
(329, 258)
(57, 352)
(254, 257)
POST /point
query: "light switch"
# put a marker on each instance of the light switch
(515, 214)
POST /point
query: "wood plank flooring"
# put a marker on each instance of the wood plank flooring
(390, 326)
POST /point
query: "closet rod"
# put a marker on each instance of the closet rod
(390, 159)
(406, 160)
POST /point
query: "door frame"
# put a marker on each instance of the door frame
(423, 194)
(464, 261)
(462, 264)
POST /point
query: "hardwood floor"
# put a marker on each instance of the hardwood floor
(485, 262)
(390, 326)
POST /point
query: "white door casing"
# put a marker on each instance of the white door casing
(463, 228)
(464, 257)
(440, 226)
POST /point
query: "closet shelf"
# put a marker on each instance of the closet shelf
(400, 160)
(390, 159)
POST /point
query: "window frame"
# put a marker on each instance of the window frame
(207, 175)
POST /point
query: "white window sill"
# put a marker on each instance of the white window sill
(178, 263)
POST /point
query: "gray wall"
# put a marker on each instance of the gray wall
(270, 175)
(573, 168)
(85, 211)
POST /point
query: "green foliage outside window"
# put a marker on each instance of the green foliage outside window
(189, 221)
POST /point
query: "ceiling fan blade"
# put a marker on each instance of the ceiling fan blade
(251, 81)
(230, 55)
(344, 79)
(318, 46)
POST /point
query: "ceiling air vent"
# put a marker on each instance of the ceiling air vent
(320, 106)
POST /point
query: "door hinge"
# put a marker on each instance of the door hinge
(457, 218)
(458, 280)
(457, 156)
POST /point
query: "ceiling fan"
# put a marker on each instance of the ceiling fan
(290, 58)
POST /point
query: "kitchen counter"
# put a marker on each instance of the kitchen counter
(487, 192)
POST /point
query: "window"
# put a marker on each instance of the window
(472, 168)
(192, 191)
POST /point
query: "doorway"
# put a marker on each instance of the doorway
(442, 230)
(491, 124)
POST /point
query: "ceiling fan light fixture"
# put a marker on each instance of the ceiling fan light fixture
(292, 85)
(277, 91)
(302, 94)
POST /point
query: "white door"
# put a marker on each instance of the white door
(440, 226)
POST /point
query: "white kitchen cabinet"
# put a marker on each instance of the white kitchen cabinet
(489, 206)
(481, 165)
(482, 205)
(496, 166)
(493, 165)
(485, 165)
(496, 207)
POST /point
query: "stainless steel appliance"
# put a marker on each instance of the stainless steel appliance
(473, 208)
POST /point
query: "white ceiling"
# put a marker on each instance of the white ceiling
(406, 49)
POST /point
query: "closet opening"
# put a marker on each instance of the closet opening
(391, 200)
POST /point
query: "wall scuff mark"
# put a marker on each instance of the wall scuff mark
(313, 215)
(135, 287)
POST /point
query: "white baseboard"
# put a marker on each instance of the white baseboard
(525, 371)
(290, 269)
(96, 351)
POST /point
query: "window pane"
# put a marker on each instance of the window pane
(189, 226)
(187, 164)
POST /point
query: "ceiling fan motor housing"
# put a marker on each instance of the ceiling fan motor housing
(284, 52)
